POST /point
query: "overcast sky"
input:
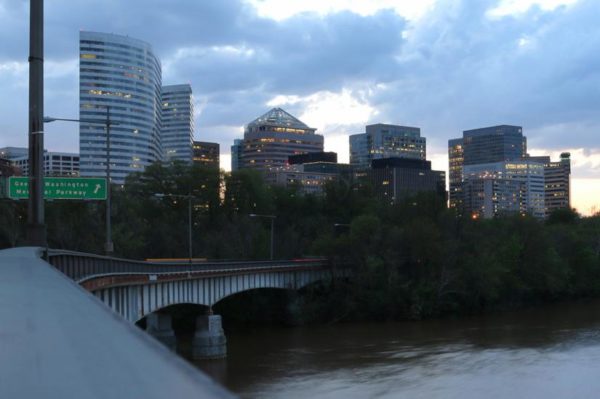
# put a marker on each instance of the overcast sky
(442, 65)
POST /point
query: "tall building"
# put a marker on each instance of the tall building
(236, 154)
(360, 156)
(122, 74)
(492, 189)
(481, 146)
(206, 154)
(395, 179)
(386, 141)
(271, 138)
(455, 172)
(177, 130)
(493, 144)
(557, 182)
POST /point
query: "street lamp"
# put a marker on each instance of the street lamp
(338, 225)
(272, 217)
(36, 228)
(189, 198)
(108, 246)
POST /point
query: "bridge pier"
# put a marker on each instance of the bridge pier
(209, 341)
(159, 325)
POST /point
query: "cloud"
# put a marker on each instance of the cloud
(456, 65)
(519, 7)
(325, 110)
(279, 10)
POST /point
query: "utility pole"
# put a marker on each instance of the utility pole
(108, 246)
(272, 217)
(36, 229)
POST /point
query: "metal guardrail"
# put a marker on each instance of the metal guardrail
(81, 266)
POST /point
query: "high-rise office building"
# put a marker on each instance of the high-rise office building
(455, 172)
(481, 146)
(493, 144)
(236, 154)
(386, 141)
(271, 138)
(177, 130)
(492, 189)
(123, 75)
(557, 181)
(359, 151)
(395, 179)
(206, 154)
(557, 177)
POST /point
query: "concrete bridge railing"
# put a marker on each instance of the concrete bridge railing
(57, 341)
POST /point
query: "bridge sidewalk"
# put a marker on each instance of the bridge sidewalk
(58, 341)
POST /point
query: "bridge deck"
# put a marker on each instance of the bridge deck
(57, 341)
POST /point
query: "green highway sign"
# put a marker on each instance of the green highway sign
(81, 188)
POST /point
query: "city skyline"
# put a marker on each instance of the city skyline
(445, 66)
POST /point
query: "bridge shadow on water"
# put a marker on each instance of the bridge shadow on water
(242, 312)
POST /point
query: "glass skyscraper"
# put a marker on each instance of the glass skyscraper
(359, 151)
(236, 154)
(455, 172)
(480, 146)
(386, 141)
(494, 144)
(177, 131)
(123, 75)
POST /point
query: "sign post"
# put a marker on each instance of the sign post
(73, 188)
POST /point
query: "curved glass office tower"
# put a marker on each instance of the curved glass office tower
(122, 74)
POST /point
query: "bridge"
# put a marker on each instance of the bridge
(138, 289)
(58, 341)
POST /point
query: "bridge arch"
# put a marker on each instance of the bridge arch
(136, 301)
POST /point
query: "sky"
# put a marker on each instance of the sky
(338, 65)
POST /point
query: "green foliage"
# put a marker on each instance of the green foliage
(410, 260)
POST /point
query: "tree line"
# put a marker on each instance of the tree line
(409, 260)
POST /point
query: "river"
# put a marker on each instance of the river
(548, 352)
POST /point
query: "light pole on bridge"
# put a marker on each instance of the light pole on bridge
(36, 227)
(189, 197)
(108, 245)
(272, 217)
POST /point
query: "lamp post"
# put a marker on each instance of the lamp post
(108, 245)
(341, 225)
(272, 217)
(189, 198)
(338, 225)
(36, 228)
